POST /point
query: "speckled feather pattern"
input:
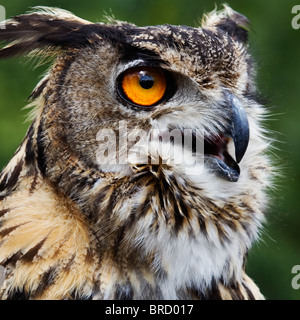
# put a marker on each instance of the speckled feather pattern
(73, 229)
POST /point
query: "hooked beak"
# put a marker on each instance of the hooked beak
(239, 126)
(217, 158)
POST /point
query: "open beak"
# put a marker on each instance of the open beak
(217, 158)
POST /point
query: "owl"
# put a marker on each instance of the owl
(144, 172)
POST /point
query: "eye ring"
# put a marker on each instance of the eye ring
(145, 87)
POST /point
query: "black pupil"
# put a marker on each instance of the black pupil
(146, 81)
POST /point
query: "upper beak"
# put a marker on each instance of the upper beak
(239, 129)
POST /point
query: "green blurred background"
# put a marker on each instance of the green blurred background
(276, 48)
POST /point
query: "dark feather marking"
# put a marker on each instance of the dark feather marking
(41, 158)
(75, 295)
(18, 294)
(70, 263)
(218, 216)
(249, 293)
(230, 208)
(101, 195)
(82, 183)
(145, 207)
(118, 242)
(10, 183)
(38, 91)
(30, 254)
(89, 256)
(47, 279)
(34, 183)
(214, 292)
(247, 207)
(130, 53)
(3, 212)
(151, 181)
(178, 216)
(160, 196)
(12, 259)
(235, 292)
(18, 49)
(82, 36)
(231, 225)
(132, 218)
(110, 205)
(176, 186)
(195, 294)
(184, 208)
(141, 177)
(7, 231)
(139, 211)
(29, 156)
(221, 233)
(202, 224)
(123, 292)
(15, 175)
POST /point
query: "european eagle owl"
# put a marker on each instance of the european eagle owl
(143, 174)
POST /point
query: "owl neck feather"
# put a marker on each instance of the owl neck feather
(143, 236)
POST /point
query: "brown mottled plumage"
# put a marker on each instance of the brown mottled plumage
(72, 227)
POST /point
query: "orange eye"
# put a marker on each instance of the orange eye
(144, 86)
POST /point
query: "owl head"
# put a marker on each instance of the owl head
(154, 132)
(119, 97)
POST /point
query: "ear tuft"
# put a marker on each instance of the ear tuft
(230, 21)
(41, 29)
